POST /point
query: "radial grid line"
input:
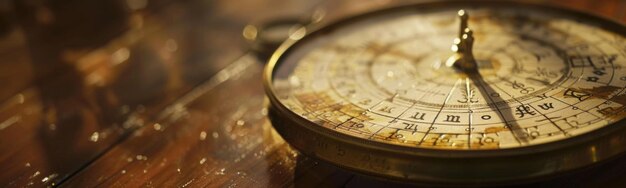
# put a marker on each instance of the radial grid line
(351, 118)
(565, 87)
(541, 90)
(398, 117)
(506, 122)
(469, 107)
(605, 54)
(573, 106)
(390, 122)
(441, 109)
(553, 123)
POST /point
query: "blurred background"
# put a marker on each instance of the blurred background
(164, 93)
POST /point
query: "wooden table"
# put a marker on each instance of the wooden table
(164, 93)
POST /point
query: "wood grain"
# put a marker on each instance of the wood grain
(164, 94)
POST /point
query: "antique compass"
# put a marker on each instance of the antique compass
(454, 92)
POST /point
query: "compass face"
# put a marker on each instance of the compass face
(542, 77)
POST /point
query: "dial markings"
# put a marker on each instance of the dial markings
(388, 84)
(526, 106)
(443, 105)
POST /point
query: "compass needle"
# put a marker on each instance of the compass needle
(514, 91)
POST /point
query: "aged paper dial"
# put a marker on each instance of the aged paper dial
(437, 79)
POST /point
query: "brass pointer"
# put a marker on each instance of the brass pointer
(463, 57)
(463, 60)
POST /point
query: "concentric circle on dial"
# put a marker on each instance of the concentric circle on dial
(544, 78)
(370, 93)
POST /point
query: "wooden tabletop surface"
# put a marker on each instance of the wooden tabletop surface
(167, 93)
